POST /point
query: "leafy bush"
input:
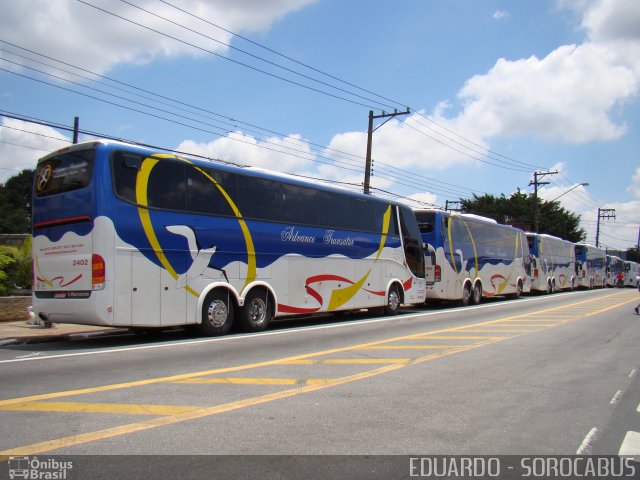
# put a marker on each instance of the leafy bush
(6, 265)
(15, 267)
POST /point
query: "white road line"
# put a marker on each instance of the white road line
(616, 398)
(34, 354)
(632, 373)
(630, 445)
(230, 338)
(585, 446)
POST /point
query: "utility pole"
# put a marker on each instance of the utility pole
(536, 183)
(603, 213)
(76, 128)
(367, 167)
(447, 208)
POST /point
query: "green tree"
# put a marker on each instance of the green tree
(518, 210)
(633, 254)
(15, 203)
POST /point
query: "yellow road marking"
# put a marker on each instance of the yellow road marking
(207, 411)
(79, 439)
(345, 361)
(242, 381)
(131, 409)
(492, 330)
(530, 324)
(410, 347)
(458, 337)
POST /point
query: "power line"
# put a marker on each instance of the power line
(262, 71)
(428, 182)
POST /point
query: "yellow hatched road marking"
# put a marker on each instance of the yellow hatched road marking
(131, 409)
(260, 381)
(531, 324)
(497, 330)
(241, 381)
(346, 361)
(410, 347)
(458, 337)
(78, 439)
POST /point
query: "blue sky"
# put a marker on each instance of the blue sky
(497, 89)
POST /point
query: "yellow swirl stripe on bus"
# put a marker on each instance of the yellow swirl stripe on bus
(475, 250)
(251, 252)
(340, 296)
(142, 182)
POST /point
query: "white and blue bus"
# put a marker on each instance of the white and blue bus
(129, 236)
(591, 266)
(631, 274)
(553, 263)
(471, 257)
(615, 271)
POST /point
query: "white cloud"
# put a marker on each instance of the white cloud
(566, 96)
(22, 144)
(290, 154)
(500, 15)
(634, 188)
(107, 41)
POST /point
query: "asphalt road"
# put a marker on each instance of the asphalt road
(555, 375)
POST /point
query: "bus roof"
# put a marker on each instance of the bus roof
(257, 171)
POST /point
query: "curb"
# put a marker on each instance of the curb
(31, 339)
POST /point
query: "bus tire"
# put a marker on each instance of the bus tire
(394, 300)
(256, 314)
(466, 295)
(518, 292)
(476, 295)
(217, 313)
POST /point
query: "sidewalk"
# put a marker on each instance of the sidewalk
(17, 332)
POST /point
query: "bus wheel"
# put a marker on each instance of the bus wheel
(393, 301)
(256, 314)
(466, 295)
(217, 313)
(476, 297)
(518, 292)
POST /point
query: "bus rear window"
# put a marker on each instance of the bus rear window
(64, 172)
(426, 221)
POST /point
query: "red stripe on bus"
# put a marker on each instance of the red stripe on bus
(62, 221)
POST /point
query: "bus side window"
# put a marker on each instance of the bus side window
(167, 186)
(204, 196)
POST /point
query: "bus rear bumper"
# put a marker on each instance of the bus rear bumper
(74, 307)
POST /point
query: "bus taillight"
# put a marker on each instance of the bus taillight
(437, 273)
(97, 272)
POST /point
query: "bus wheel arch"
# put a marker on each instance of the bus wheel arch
(217, 311)
(258, 309)
(519, 289)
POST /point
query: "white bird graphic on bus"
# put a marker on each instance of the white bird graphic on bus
(201, 257)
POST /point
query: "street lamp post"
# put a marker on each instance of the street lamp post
(584, 184)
